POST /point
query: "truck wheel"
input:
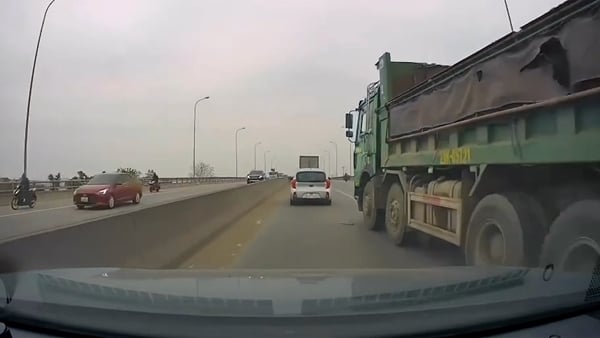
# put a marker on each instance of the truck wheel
(505, 229)
(395, 214)
(372, 218)
(573, 243)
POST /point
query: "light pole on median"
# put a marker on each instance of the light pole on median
(255, 145)
(328, 162)
(236, 150)
(336, 157)
(37, 48)
(265, 159)
(194, 147)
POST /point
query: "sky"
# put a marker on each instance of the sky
(116, 80)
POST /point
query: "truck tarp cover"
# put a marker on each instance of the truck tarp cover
(549, 64)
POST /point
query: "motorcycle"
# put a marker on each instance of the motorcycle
(154, 186)
(16, 202)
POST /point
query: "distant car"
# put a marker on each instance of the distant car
(108, 190)
(272, 175)
(310, 185)
(256, 176)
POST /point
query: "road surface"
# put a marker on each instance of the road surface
(53, 213)
(279, 236)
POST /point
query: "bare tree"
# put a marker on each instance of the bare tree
(81, 175)
(203, 170)
(130, 171)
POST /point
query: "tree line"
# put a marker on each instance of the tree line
(201, 169)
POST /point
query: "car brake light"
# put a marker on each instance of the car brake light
(294, 183)
(328, 184)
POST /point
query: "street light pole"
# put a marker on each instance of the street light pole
(336, 158)
(37, 48)
(194, 156)
(255, 144)
(328, 162)
(265, 159)
(236, 150)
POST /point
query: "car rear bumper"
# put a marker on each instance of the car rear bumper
(310, 195)
(254, 180)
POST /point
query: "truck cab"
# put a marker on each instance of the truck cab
(371, 132)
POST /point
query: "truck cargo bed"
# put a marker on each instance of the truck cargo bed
(555, 55)
(561, 130)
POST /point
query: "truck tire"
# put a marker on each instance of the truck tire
(573, 243)
(505, 229)
(395, 214)
(373, 219)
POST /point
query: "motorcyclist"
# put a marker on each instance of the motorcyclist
(154, 178)
(23, 188)
(346, 177)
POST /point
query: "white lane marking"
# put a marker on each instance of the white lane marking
(35, 211)
(343, 193)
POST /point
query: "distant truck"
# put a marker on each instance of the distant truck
(307, 161)
(498, 155)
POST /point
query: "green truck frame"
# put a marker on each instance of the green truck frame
(515, 186)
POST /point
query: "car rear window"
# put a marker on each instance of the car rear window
(311, 176)
(256, 172)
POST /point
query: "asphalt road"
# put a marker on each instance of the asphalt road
(56, 212)
(276, 235)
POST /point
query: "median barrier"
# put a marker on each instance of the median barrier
(157, 237)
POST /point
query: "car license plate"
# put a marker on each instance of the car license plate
(83, 199)
(311, 196)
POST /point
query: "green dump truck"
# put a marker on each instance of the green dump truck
(498, 154)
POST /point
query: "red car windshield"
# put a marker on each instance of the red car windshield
(103, 179)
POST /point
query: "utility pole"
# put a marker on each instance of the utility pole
(255, 144)
(328, 162)
(236, 149)
(265, 159)
(194, 147)
(336, 157)
(37, 48)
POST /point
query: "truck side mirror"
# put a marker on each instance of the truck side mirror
(349, 120)
(349, 133)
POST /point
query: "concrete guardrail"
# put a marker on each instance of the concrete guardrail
(154, 237)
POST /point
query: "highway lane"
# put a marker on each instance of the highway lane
(50, 214)
(278, 236)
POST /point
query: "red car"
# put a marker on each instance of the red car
(108, 190)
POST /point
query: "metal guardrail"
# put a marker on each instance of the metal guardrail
(63, 185)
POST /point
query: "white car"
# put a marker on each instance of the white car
(310, 185)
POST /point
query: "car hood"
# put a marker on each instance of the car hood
(90, 189)
(294, 303)
(297, 292)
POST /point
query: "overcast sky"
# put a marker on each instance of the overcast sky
(116, 80)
